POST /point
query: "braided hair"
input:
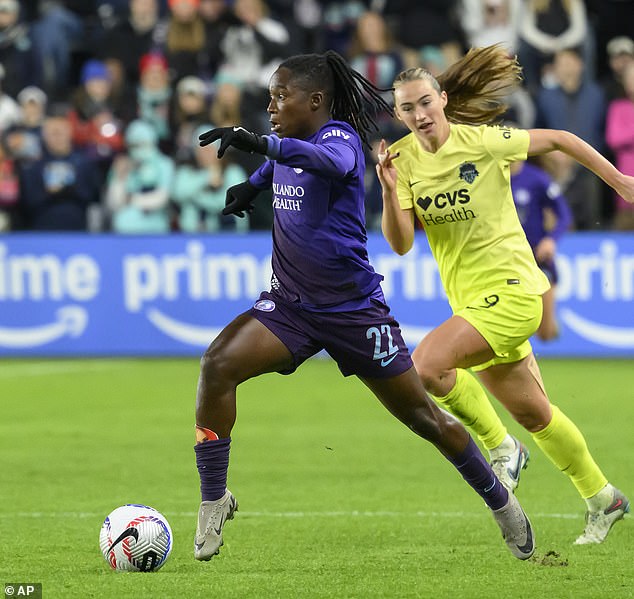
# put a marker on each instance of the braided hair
(353, 98)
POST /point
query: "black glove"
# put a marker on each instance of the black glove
(234, 136)
(240, 199)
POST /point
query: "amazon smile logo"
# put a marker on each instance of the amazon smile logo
(69, 321)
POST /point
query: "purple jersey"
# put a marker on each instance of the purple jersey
(320, 260)
(533, 192)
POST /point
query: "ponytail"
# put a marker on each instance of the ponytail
(476, 85)
(354, 99)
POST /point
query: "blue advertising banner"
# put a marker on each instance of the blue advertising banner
(100, 295)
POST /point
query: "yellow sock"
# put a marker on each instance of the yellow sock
(469, 403)
(565, 447)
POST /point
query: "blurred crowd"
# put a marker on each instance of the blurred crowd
(102, 101)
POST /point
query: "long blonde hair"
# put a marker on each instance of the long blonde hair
(476, 85)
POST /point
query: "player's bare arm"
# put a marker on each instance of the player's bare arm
(543, 141)
(397, 224)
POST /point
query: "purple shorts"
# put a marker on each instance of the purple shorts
(367, 342)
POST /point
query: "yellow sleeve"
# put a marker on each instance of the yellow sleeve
(506, 144)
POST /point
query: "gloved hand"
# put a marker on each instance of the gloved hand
(238, 137)
(240, 199)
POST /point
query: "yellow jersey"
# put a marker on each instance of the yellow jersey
(462, 196)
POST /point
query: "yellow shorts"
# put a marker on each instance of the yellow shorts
(506, 318)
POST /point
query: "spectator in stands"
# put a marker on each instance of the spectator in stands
(621, 55)
(430, 58)
(200, 190)
(610, 19)
(339, 19)
(190, 110)
(216, 16)
(374, 54)
(139, 184)
(9, 192)
(23, 141)
(57, 31)
(577, 105)
(154, 94)
(67, 32)
(186, 46)
(58, 189)
(303, 19)
(124, 45)
(96, 128)
(252, 50)
(430, 23)
(521, 108)
(227, 109)
(620, 137)
(547, 27)
(9, 109)
(17, 52)
(487, 22)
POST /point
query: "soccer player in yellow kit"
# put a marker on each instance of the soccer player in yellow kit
(451, 172)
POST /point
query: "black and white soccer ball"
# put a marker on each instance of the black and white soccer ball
(135, 538)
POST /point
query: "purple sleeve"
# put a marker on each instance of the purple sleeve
(263, 177)
(333, 159)
(554, 200)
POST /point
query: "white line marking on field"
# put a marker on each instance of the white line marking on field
(17, 370)
(342, 514)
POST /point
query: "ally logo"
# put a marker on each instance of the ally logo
(71, 321)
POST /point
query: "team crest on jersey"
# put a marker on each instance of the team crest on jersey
(468, 172)
(265, 305)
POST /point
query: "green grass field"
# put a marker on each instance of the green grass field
(337, 499)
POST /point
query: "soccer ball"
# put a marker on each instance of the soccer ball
(135, 538)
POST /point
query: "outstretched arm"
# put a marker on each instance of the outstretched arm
(333, 159)
(397, 224)
(548, 140)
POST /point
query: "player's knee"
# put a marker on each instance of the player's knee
(432, 377)
(216, 367)
(429, 369)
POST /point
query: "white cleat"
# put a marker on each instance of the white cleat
(212, 516)
(509, 465)
(516, 528)
(599, 523)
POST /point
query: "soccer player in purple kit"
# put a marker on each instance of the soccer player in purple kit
(324, 292)
(538, 199)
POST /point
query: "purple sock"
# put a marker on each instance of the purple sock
(212, 460)
(477, 472)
